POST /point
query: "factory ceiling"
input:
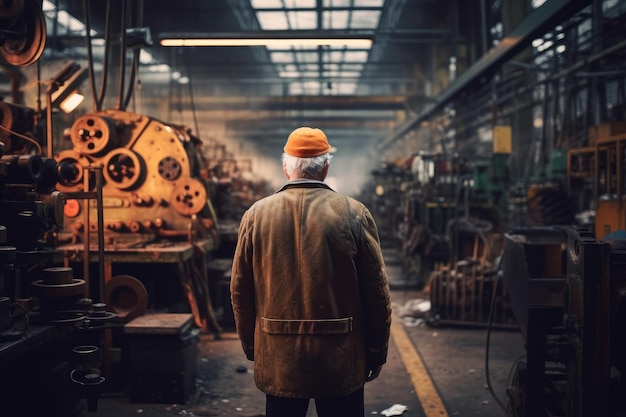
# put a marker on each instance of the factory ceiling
(377, 69)
(358, 93)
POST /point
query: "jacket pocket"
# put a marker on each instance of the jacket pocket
(325, 326)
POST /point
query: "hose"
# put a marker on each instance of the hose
(488, 338)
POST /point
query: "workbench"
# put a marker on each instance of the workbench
(189, 258)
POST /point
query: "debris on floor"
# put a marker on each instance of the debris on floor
(394, 410)
(413, 322)
(416, 308)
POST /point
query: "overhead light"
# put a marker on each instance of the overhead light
(269, 40)
(59, 88)
(71, 102)
(355, 43)
(66, 82)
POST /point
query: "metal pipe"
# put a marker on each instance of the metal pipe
(86, 234)
(100, 209)
(122, 52)
(582, 63)
(49, 123)
(483, 26)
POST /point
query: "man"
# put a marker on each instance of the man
(309, 290)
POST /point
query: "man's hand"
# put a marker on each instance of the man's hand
(372, 374)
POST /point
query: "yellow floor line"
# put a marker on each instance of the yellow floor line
(424, 388)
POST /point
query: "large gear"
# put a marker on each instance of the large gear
(189, 197)
(123, 169)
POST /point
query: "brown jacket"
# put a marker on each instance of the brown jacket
(310, 292)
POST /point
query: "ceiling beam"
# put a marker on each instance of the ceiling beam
(535, 24)
(280, 134)
(334, 79)
(324, 123)
(356, 120)
(247, 103)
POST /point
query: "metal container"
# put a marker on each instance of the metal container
(163, 358)
(534, 269)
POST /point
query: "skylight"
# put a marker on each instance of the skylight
(319, 70)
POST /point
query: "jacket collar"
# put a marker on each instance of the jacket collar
(304, 183)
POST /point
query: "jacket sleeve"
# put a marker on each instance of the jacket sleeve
(374, 289)
(242, 287)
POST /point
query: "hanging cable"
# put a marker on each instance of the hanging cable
(170, 89)
(23, 137)
(97, 98)
(90, 53)
(488, 338)
(131, 81)
(191, 97)
(120, 94)
(135, 63)
(107, 51)
(38, 86)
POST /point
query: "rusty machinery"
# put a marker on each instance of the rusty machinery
(151, 187)
(466, 290)
(234, 184)
(390, 182)
(449, 187)
(567, 290)
(148, 191)
(46, 322)
(134, 172)
(152, 197)
(595, 178)
(42, 305)
(22, 32)
(413, 201)
(457, 210)
(610, 185)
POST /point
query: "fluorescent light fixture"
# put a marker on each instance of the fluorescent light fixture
(285, 42)
(66, 83)
(71, 102)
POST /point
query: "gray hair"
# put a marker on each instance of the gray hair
(305, 167)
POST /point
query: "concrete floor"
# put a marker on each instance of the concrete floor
(453, 357)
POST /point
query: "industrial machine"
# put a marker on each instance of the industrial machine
(43, 306)
(129, 179)
(452, 191)
(595, 179)
(610, 185)
(151, 186)
(135, 196)
(581, 172)
(390, 182)
(430, 203)
(134, 192)
(50, 331)
(462, 205)
(567, 292)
